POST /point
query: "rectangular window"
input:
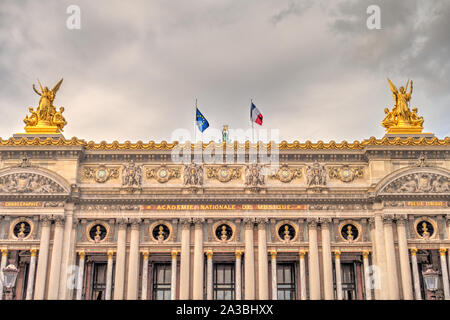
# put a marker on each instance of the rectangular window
(348, 281)
(162, 273)
(223, 282)
(286, 281)
(99, 281)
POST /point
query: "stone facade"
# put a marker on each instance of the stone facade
(335, 221)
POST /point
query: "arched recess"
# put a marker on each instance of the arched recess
(32, 180)
(415, 180)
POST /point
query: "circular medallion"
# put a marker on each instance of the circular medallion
(349, 232)
(224, 172)
(286, 232)
(22, 230)
(97, 232)
(160, 232)
(425, 229)
(224, 232)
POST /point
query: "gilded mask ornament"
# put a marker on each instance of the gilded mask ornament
(286, 174)
(223, 173)
(163, 173)
(346, 173)
(101, 174)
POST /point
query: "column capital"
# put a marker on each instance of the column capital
(33, 252)
(4, 252)
(249, 223)
(209, 254)
(365, 254)
(45, 220)
(122, 222)
(312, 222)
(135, 223)
(174, 254)
(198, 222)
(185, 223)
(145, 254)
(302, 254)
(110, 254)
(325, 222)
(273, 254)
(59, 221)
(387, 219)
(413, 251)
(337, 254)
(238, 253)
(442, 251)
(261, 222)
(401, 219)
(81, 253)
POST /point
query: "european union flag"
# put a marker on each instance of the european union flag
(202, 123)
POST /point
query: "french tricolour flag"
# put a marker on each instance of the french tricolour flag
(255, 115)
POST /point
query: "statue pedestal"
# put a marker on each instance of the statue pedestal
(38, 135)
(408, 135)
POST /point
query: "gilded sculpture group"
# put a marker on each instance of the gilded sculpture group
(45, 115)
(401, 117)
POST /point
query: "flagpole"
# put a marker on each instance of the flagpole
(195, 129)
(251, 120)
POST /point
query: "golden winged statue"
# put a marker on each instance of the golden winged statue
(46, 119)
(401, 119)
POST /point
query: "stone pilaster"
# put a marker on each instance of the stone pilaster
(198, 260)
(263, 270)
(185, 258)
(133, 261)
(326, 259)
(249, 260)
(119, 279)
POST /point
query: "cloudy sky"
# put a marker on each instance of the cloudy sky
(313, 68)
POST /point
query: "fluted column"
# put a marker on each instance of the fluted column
(444, 272)
(67, 252)
(31, 273)
(3, 265)
(55, 264)
(119, 278)
(326, 260)
(273, 265)
(337, 264)
(185, 258)
(367, 282)
(109, 269)
(249, 260)
(390, 259)
(197, 292)
(238, 288)
(80, 276)
(133, 263)
(380, 274)
(302, 274)
(209, 275)
(404, 259)
(314, 270)
(415, 269)
(173, 278)
(263, 268)
(41, 273)
(144, 275)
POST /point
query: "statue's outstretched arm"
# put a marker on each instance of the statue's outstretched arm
(34, 88)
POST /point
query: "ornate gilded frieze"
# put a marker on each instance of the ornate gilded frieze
(101, 174)
(223, 173)
(286, 174)
(163, 173)
(25, 182)
(345, 173)
(419, 183)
